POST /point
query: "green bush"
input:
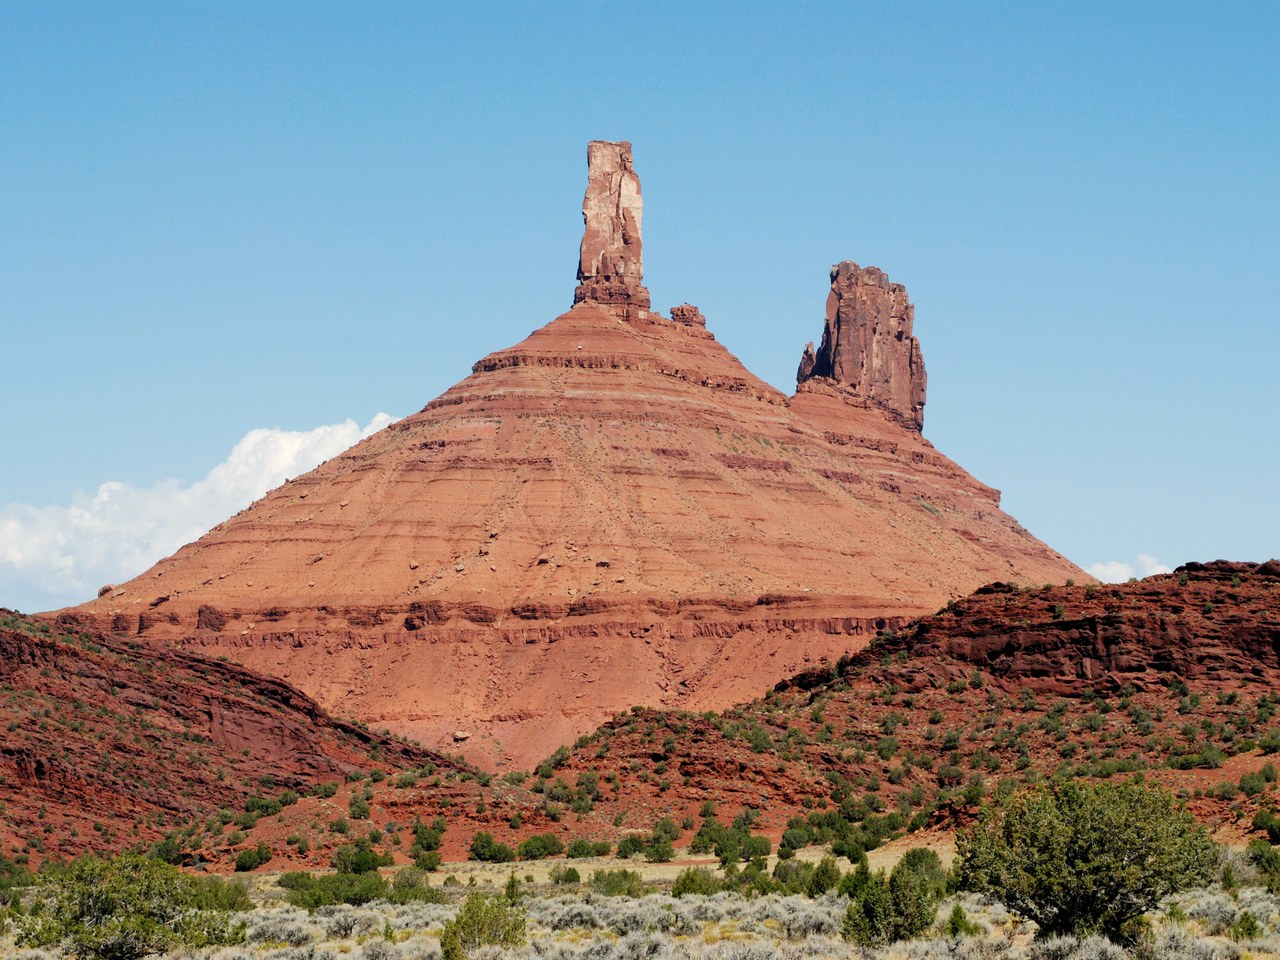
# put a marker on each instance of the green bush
(428, 860)
(868, 919)
(215, 893)
(540, 846)
(252, 859)
(826, 875)
(580, 848)
(1267, 859)
(482, 922)
(311, 891)
(488, 850)
(360, 857)
(900, 907)
(959, 925)
(123, 909)
(565, 876)
(410, 886)
(698, 881)
(425, 848)
(1267, 820)
(1080, 859)
(617, 883)
(13, 877)
(659, 850)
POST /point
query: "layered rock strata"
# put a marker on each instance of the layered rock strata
(608, 513)
(867, 347)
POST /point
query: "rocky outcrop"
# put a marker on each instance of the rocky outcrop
(609, 266)
(607, 513)
(867, 346)
(1213, 625)
(689, 315)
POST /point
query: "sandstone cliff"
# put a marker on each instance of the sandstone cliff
(613, 511)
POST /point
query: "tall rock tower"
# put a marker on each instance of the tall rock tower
(609, 265)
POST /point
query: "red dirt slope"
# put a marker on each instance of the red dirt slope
(105, 744)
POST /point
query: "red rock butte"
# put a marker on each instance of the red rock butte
(612, 512)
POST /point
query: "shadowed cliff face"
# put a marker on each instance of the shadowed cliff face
(613, 511)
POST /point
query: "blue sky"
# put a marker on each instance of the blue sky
(220, 217)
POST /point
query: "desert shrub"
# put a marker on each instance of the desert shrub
(659, 849)
(342, 922)
(123, 909)
(541, 846)
(1266, 859)
(482, 922)
(253, 858)
(428, 860)
(617, 883)
(13, 878)
(696, 880)
(900, 907)
(1246, 927)
(1175, 943)
(312, 891)
(280, 926)
(565, 876)
(793, 876)
(360, 857)
(488, 850)
(215, 893)
(926, 864)
(1267, 821)
(958, 924)
(826, 875)
(1084, 859)
(1071, 948)
(410, 886)
(869, 916)
(580, 848)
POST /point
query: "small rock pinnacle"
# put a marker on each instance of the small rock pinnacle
(867, 344)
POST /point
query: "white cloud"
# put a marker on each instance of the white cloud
(53, 556)
(1118, 571)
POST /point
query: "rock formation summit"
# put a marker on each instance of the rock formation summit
(612, 512)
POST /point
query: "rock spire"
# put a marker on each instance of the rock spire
(609, 266)
(867, 344)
